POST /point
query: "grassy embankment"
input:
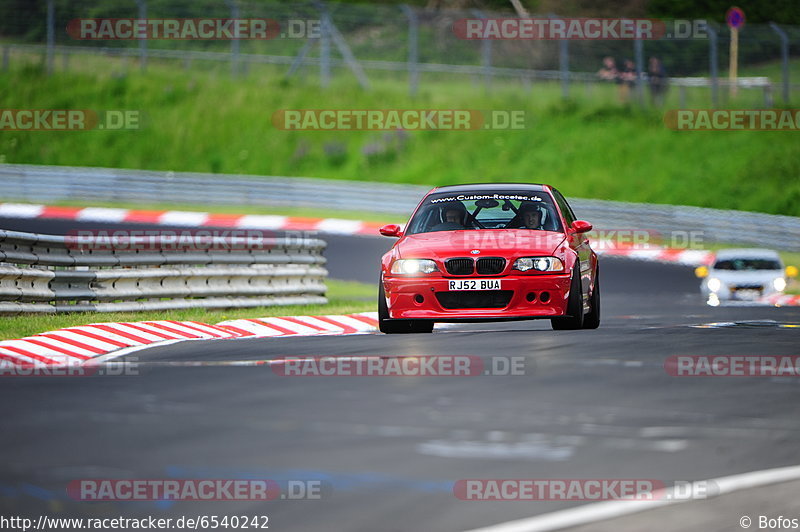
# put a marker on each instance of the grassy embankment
(202, 120)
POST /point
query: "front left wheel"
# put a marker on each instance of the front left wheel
(574, 318)
(592, 319)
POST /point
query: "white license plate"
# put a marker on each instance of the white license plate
(474, 284)
(747, 294)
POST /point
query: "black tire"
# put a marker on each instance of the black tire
(574, 318)
(389, 326)
(592, 319)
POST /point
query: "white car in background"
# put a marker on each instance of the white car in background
(743, 275)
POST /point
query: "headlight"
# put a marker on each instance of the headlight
(779, 283)
(413, 266)
(540, 264)
(714, 284)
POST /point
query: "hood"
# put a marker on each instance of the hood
(490, 242)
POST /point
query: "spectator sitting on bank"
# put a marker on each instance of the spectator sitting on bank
(609, 70)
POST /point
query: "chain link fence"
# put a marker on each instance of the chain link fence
(410, 45)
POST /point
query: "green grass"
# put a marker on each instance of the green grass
(591, 146)
(344, 297)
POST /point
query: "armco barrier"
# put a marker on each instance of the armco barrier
(52, 183)
(56, 183)
(50, 274)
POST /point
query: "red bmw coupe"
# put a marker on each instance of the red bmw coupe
(489, 252)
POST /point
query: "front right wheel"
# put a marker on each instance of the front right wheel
(389, 326)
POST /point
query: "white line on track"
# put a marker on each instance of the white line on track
(600, 511)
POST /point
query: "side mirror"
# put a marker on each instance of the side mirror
(701, 271)
(581, 226)
(791, 271)
(391, 230)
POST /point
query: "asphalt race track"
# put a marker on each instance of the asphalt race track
(591, 404)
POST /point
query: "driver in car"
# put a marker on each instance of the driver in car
(531, 217)
(455, 217)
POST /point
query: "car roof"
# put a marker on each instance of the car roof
(747, 253)
(480, 187)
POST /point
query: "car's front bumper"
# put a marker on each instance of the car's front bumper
(416, 298)
(737, 293)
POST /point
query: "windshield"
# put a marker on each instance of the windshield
(747, 264)
(502, 209)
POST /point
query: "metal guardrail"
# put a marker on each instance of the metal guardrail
(53, 183)
(746, 82)
(55, 274)
(693, 226)
(759, 82)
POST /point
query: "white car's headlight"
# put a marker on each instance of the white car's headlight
(413, 266)
(714, 284)
(779, 283)
(540, 264)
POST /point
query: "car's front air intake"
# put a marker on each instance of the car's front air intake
(475, 299)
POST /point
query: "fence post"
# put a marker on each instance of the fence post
(563, 63)
(51, 34)
(638, 54)
(784, 59)
(5, 57)
(234, 7)
(713, 64)
(486, 54)
(143, 40)
(324, 47)
(413, 56)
